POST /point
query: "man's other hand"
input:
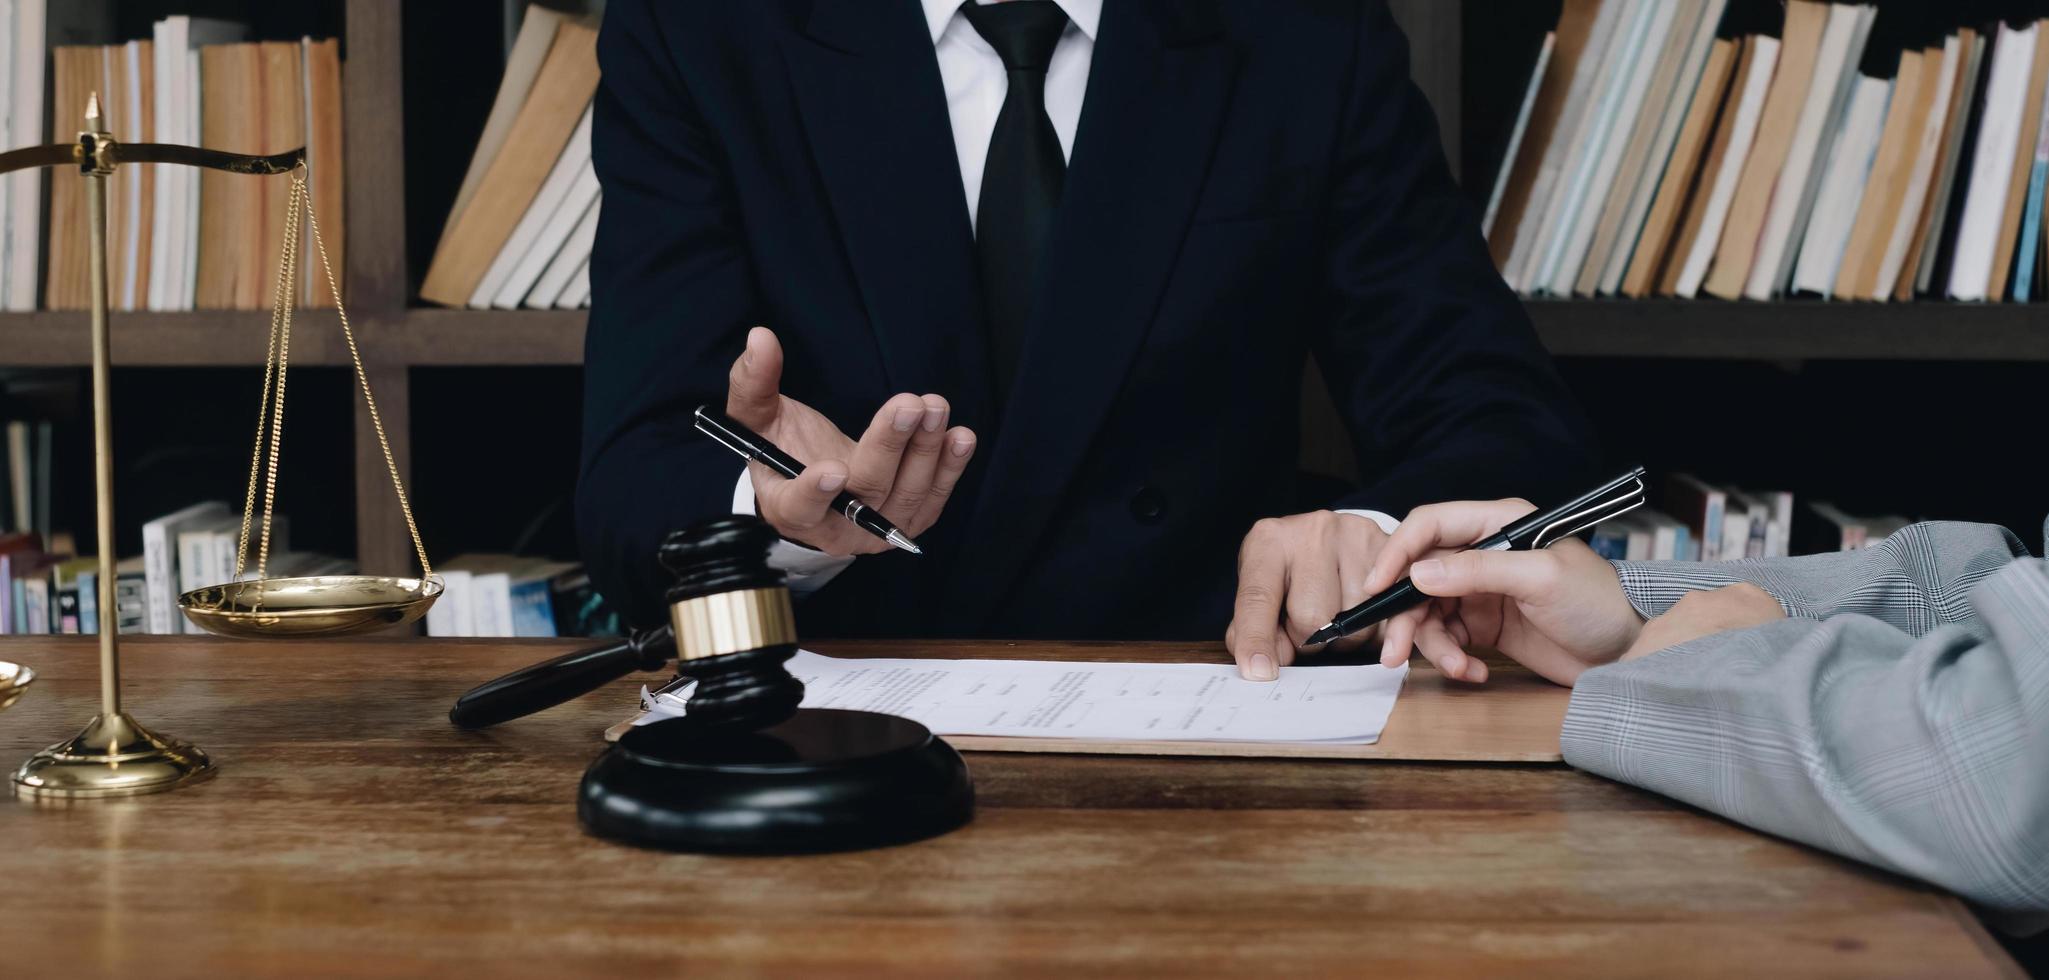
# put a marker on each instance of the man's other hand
(1294, 575)
(905, 465)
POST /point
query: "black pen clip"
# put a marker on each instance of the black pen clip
(1628, 496)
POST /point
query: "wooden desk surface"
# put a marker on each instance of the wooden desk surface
(352, 830)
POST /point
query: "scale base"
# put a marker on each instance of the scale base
(115, 756)
(825, 780)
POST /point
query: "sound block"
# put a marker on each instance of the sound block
(825, 780)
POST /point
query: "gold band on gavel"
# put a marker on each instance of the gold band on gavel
(729, 622)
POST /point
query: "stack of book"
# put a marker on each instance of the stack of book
(26, 492)
(506, 595)
(44, 589)
(1747, 149)
(196, 547)
(1645, 535)
(178, 238)
(1702, 521)
(524, 218)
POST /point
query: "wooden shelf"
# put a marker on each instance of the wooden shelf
(1570, 328)
(1795, 330)
(424, 337)
(455, 338)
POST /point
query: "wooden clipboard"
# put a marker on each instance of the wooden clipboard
(1514, 717)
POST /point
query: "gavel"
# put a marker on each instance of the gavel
(746, 768)
(733, 614)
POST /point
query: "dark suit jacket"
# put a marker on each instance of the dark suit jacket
(1252, 182)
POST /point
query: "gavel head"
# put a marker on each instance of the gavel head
(733, 623)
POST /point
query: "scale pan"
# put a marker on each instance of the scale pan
(321, 605)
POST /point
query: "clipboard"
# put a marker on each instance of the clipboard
(1514, 717)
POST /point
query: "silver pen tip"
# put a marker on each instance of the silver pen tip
(899, 539)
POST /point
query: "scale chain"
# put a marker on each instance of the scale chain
(271, 411)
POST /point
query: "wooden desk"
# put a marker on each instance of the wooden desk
(352, 831)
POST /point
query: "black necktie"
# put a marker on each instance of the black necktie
(1021, 180)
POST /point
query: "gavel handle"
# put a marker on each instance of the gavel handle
(551, 682)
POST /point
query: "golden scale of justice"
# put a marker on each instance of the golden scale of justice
(115, 755)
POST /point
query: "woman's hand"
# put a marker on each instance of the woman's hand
(1556, 611)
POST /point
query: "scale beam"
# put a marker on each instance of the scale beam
(76, 154)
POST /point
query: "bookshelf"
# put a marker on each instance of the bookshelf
(385, 261)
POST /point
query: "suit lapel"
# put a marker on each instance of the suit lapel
(1159, 80)
(874, 110)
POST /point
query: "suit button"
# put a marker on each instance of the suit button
(1148, 505)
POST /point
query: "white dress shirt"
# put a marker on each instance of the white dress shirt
(976, 85)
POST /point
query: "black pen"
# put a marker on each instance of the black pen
(1540, 529)
(744, 441)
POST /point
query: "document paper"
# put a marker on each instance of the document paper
(1097, 701)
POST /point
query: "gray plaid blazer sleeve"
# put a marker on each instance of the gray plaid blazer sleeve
(1899, 718)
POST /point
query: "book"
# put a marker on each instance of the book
(579, 609)
(1729, 163)
(222, 550)
(530, 49)
(75, 74)
(198, 566)
(320, 61)
(21, 475)
(1560, 244)
(1800, 50)
(230, 217)
(574, 255)
(1903, 241)
(131, 594)
(1635, 80)
(1937, 249)
(561, 92)
(1703, 508)
(570, 183)
(1673, 117)
(1678, 185)
(283, 100)
(556, 237)
(1884, 204)
(1655, 107)
(1610, 541)
(1894, 52)
(35, 599)
(1771, 521)
(1835, 76)
(160, 557)
(577, 294)
(64, 599)
(137, 122)
(23, 189)
(1998, 140)
(1582, 29)
(1586, 68)
(1516, 134)
(1849, 174)
(20, 549)
(2022, 167)
(452, 615)
(533, 597)
(6, 139)
(2031, 213)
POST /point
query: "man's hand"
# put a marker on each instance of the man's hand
(1556, 611)
(1294, 575)
(1699, 614)
(905, 465)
